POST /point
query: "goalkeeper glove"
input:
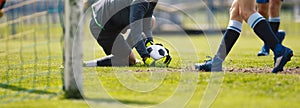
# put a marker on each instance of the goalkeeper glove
(163, 62)
(148, 42)
(149, 61)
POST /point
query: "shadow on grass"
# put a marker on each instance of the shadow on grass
(16, 88)
(118, 101)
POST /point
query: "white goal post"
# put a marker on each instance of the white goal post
(73, 78)
(297, 12)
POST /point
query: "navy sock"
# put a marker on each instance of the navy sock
(105, 61)
(275, 26)
(274, 23)
(230, 37)
(263, 30)
(113, 61)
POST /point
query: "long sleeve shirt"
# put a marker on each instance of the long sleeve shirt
(139, 11)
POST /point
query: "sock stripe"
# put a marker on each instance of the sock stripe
(235, 25)
(256, 21)
(274, 19)
(234, 28)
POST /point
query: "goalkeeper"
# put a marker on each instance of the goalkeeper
(112, 17)
(2, 3)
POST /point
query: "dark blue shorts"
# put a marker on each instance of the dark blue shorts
(263, 1)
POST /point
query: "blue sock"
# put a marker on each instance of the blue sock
(274, 23)
(263, 30)
(230, 37)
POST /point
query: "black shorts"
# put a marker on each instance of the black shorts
(110, 36)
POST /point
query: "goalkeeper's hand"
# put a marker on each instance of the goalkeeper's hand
(148, 42)
(163, 62)
(149, 61)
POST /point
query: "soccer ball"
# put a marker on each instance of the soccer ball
(157, 51)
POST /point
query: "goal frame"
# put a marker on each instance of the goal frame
(73, 78)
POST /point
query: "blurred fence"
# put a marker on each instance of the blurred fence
(15, 9)
(18, 8)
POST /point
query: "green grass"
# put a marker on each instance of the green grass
(29, 79)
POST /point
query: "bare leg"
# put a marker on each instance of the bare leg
(263, 9)
(275, 6)
(271, 11)
(274, 19)
(229, 39)
(247, 8)
(232, 33)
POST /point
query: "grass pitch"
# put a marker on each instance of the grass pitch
(31, 81)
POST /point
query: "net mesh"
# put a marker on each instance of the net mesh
(30, 54)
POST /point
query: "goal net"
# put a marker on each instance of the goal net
(31, 52)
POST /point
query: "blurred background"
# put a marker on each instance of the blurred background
(31, 39)
(184, 13)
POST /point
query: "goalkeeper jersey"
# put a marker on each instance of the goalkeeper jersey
(139, 16)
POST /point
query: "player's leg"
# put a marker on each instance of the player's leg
(263, 9)
(264, 32)
(230, 37)
(112, 43)
(106, 44)
(274, 20)
(257, 22)
(117, 50)
(106, 61)
(232, 33)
